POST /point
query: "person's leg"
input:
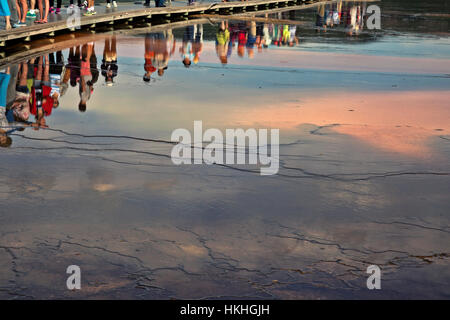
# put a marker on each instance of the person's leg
(106, 50)
(14, 11)
(41, 10)
(23, 74)
(46, 10)
(114, 48)
(39, 69)
(59, 58)
(24, 6)
(52, 4)
(19, 14)
(51, 57)
(46, 76)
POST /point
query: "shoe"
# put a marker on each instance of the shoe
(108, 5)
(52, 10)
(114, 4)
(147, 4)
(31, 14)
(57, 11)
(71, 6)
(87, 13)
(18, 25)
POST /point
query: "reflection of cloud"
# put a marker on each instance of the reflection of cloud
(103, 187)
(396, 121)
(100, 180)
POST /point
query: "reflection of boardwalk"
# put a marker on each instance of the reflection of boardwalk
(45, 46)
(130, 14)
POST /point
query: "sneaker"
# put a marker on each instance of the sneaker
(71, 6)
(57, 11)
(114, 4)
(108, 5)
(31, 14)
(52, 10)
(18, 25)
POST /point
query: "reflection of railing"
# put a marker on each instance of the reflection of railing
(149, 15)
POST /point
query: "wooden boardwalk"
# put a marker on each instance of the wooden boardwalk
(149, 15)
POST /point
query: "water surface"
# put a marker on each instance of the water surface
(364, 164)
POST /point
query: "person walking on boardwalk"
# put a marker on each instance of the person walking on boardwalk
(90, 8)
(108, 4)
(43, 11)
(31, 14)
(56, 10)
(4, 12)
(158, 3)
(22, 8)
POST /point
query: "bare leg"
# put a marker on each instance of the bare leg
(47, 6)
(39, 69)
(24, 5)
(46, 76)
(114, 48)
(19, 14)
(23, 75)
(41, 10)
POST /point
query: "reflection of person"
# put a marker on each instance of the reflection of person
(20, 108)
(56, 69)
(74, 63)
(197, 46)
(222, 42)
(86, 86)
(320, 15)
(5, 141)
(42, 102)
(187, 53)
(109, 63)
(158, 50)
(251, 39)
(149, 56)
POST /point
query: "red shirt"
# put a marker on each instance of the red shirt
(47, 101)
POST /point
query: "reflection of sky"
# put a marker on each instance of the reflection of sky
(398, 46)
(262, 92)
(110, 206)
